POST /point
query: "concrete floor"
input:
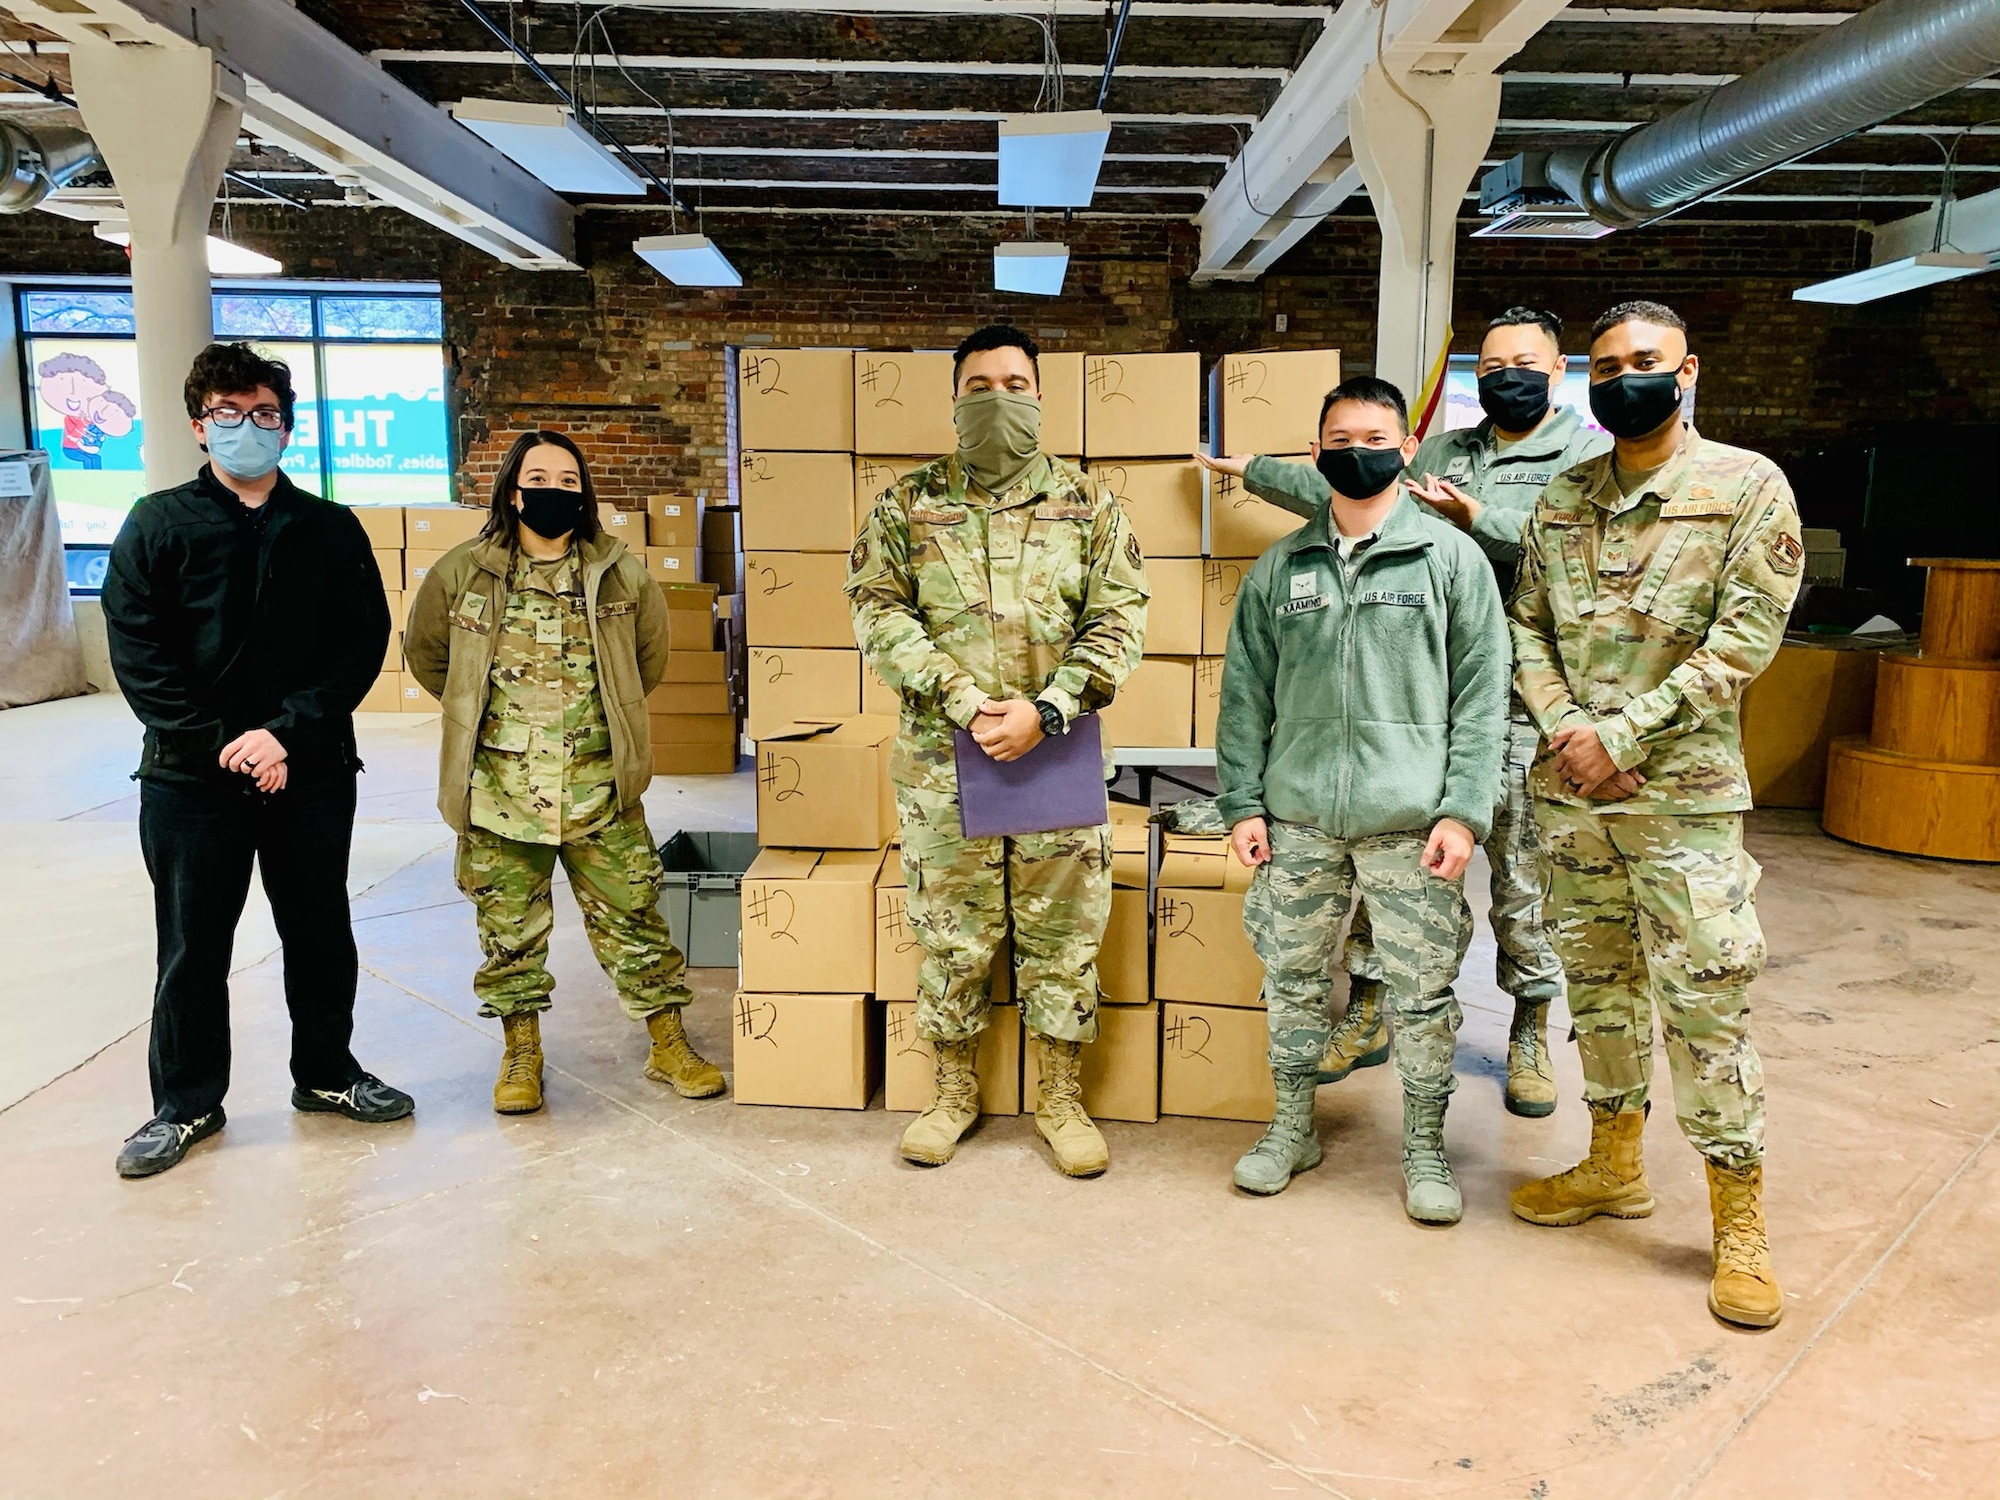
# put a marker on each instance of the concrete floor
(633, 1295)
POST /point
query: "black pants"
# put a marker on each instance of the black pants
(200, 842)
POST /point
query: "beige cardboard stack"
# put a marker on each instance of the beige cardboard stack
(1210, 985)
(407, 541)
(694, 726)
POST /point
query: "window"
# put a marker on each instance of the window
(368, 370)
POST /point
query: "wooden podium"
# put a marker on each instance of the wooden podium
(1926, 780)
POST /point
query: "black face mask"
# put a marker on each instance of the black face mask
(550, 513)
(1359, 473)
(1516, 399)
(1634, 406)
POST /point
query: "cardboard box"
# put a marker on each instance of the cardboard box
(675, 521)
(795, 599)
(809, 921)
(439, 528)
(826, 785)
(909, 1066)
(1241, 525)
(721, 529)
(1201, 862)
(1221, 578)
(902, 403)
(694, 729)
(797, 502)
(1155, 707)
(877, 697)
(1215, 1063)
(399, 613)
(385, 697)
(1268, 401)
(1161, 500)
(673, 565)
(1131, 852)
(874, 475)
(801, 399)
(787, 685)
(1062, 404)
(673, 698)
(693, 760)
(392, 654)
(1200, 951)
(724, 570)
(412, 697)
(383, 525)
(1141, 405)
(390, 565)
(695, 666)
(628, 526)
(1124, 971)
(1121, 1069)
(1207, 700)
(691, 629)
(814, 1051)
(417, 567)
(1173, 614)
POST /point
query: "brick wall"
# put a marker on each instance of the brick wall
(635, 368)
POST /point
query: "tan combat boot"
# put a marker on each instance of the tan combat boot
(933, 1136)
(1745, 1289)
(1531, 1086)
(518, 1089)
(1611, 1180)
(674, 1061)
(1078, 1145)
(1361, 1040)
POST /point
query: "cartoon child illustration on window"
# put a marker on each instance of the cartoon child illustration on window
(74, 387)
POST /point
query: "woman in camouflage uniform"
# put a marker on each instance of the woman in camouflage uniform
(541, 639)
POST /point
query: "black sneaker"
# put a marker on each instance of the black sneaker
(160, 1144)
(367, 1099)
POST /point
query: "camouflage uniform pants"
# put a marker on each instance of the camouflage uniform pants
(1054, 887)
(1524, 964)
(1293, 914)
(615, 875)
(1659, 911)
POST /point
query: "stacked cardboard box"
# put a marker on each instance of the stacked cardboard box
(406, 542)
(1210, 985)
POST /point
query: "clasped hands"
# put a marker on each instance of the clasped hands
(258, 754)
(1586, 767)
(1007, 729)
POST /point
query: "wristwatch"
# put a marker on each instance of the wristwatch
(1053, 721)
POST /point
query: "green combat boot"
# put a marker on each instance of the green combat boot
(1078, 1144)
(1361, 1040)
(1430, 1191)
(933, 1135)
(518, 1089)
(1745, 1290)
(674, 1061)
(1611, 1180)
(1531, 1086)
(1289, 1146)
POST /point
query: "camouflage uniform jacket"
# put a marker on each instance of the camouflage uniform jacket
(959, 596)
(1648, 617)
(543, 772)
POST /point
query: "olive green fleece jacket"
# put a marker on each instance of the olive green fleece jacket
(1370, 696)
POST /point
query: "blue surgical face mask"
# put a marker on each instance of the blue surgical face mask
(247, 452)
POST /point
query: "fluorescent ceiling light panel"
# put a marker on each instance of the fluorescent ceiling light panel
(687, 260)
(547, 140)
(1051, 161)
(224, 258)
(1891, 277)
(1032, 266)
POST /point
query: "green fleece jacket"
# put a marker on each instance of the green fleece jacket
(1369, 696)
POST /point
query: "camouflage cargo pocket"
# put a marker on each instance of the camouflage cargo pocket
(1678, 589)
(1725, 941)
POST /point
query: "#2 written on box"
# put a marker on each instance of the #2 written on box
(826, 786)
(809, 920)
(813, 1051)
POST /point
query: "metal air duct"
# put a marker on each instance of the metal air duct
(34, 163)
(1888, 59)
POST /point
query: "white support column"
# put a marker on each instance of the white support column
(1417, 159)
(166, 120)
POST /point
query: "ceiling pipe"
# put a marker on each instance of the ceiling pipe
(34, 163)
(1887, 60)
(1111, 52)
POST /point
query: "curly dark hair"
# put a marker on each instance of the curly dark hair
(237, 370)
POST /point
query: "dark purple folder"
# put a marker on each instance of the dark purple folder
(1058, 784)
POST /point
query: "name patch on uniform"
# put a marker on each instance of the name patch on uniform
(1413, 598)
(1301, 606)
(1697, 505)
(616, 607)
(1304, 585)
(936, 517)
(1549, 517)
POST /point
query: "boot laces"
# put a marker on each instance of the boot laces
(957, 1087)
(520, 1066)
(1423, 1155)
(1528, 1037)
(1740, 1242)
(1062, 1095)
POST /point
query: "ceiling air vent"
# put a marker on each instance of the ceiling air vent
(1524, 205)
(1544, 224)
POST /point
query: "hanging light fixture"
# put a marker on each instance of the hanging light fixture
(1052, 160)
(548, 141)
(1036, 267)
(225, 257)
(687, 260)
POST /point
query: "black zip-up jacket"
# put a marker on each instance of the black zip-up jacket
(221, 622)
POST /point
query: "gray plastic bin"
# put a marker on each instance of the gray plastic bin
(703, 894)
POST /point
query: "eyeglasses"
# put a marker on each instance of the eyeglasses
(267, 417)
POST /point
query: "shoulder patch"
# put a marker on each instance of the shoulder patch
(1785, 553)
(1132, 554)
(858, 558)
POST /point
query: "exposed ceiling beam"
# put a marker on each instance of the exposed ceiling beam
(1174, 10)
(1681, 16)
(664, 63)
(1656, 80)
(961, 116)
(321, 100)
(1973, 224)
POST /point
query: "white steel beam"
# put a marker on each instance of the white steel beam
(660, 62)
(321, 100)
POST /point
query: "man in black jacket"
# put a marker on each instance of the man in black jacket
(246, 621)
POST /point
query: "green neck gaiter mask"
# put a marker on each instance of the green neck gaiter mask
(999, 435)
